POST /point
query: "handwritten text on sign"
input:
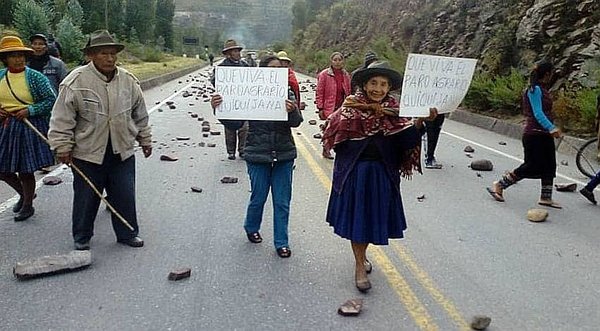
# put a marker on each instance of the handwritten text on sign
(434, 81)
(252, 93)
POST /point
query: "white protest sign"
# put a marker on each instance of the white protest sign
(251, 93)
(434, 81)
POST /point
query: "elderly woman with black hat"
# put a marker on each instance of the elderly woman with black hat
(25, 94)
(374, 146)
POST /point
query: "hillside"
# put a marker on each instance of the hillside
(254, 23)
(501, 33)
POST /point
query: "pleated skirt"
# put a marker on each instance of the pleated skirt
(21, 150)
(369, 209)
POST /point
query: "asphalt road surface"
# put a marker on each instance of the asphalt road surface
(464, 253)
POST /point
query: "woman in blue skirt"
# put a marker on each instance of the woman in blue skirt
(24, 94)
(373, 148)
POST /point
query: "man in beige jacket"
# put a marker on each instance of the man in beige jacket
(99, 115)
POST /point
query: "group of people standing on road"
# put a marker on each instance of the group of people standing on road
(100, 114)
(92, 126)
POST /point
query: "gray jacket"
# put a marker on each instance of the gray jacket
(89, 110)
(56, 71)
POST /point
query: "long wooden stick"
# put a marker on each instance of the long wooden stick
(85, 178)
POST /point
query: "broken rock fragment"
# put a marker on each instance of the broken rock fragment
(317, 136)
(312, 122)
(51, 180)
(469, 149)
(196, 189)
(229, 180)
(183, 138)
(482, 165)
(215, 133)
(480, 322)
(537, 215)
(180, 274)
(165, 157)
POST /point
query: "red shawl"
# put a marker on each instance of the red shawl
(358, 119)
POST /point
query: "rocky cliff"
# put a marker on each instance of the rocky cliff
(501, 33)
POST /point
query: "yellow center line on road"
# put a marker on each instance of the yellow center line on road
(427, 283)
(395, 279)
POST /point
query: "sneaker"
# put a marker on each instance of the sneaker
(588, 195)
(432, 164)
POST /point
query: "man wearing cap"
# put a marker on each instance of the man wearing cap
(42, 61)
(292, 80)
(235, 131)
(99, 115)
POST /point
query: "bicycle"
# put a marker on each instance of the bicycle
(587, 158)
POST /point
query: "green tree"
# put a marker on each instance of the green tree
(300, 13)
(165, 10)
(30, 18)
(75, 12)
(6, 12)
(103, 14)
(139, 14)
(71, 39)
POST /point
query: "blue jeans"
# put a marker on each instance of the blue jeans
(595, 181)
(277, 177)
(118, 179)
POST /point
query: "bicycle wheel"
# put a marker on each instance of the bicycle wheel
(588, 158)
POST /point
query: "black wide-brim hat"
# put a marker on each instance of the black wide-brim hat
(378, 68)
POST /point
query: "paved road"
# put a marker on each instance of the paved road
(464, 253)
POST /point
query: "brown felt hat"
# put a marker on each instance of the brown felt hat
(231, 44)
(10, 44)
(101, 38)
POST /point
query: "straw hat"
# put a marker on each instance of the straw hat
(101, 38)
(13, 44)
(284, 56)
(231, 44)
(378, 68)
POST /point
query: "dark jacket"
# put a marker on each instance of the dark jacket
(272, 141)
(390, 147)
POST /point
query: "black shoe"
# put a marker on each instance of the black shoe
(18, 205)
(85, 246)
(254, 237)
(132, 242)
(24, 213)
(588, 195)
(231, 156)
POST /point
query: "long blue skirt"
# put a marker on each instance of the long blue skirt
(369, 209)
(21, 150)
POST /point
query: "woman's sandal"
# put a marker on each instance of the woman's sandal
(284, 252)
(495, 193)
(550, 203)
(254, 237)
(368, 266)
(363, 285)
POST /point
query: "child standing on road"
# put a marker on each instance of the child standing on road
(538, 142)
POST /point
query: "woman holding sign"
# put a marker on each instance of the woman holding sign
(538, 142)
(270, 155)
(374, 147)
(333, 86)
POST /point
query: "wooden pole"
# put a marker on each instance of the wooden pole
(85, 178)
